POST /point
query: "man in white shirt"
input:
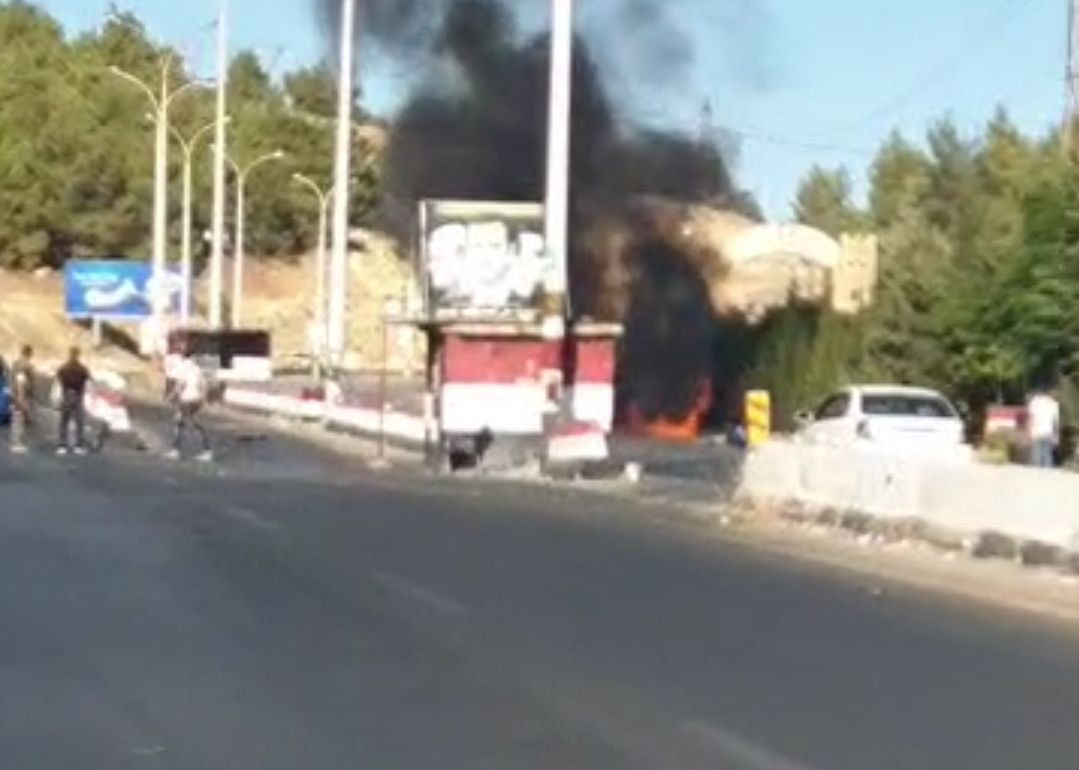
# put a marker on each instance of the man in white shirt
(188, 394)
(1043, 420)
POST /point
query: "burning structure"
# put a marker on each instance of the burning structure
(657, 218)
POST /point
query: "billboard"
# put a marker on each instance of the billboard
(482, 258)
(115, 289)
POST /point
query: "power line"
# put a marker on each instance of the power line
(930, 78)
(935, 75)
(783, 141)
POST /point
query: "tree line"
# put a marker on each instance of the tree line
(979, 272)
(979, 285)
(76, 142)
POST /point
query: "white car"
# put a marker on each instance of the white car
(889, 416)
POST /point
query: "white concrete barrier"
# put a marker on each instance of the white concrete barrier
(287, 406)
(402, 426)
(396, 424)
(964, 498)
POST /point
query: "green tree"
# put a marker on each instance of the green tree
(313, 90)
(824, 201)
(76, 146)
(903, 335)
(249, 83)
(36, 137)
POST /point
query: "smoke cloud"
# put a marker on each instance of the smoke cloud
(474, 126)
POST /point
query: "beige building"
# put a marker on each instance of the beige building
(754, 268)
(855, 277)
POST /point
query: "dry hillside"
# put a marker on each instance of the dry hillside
(279, 296)
(31, 313)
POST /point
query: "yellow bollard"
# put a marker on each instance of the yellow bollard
(758, 417)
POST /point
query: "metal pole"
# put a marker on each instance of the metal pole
(161, 103)
(217, 253)
(320, 280)
(558, 166)
(382, 389)
(186, 268)
(319, 311)
(238, 254)
(161, 170)
(1067, 134)
(241, 220)
(337, 333)
(185, 244)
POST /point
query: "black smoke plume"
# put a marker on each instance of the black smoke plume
(474, 126)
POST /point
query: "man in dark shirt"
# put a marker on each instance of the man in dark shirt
(72, 378)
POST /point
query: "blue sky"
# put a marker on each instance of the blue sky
(799, 81)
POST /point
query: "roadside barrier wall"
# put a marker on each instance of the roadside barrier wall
(397, 425)
(956, 495)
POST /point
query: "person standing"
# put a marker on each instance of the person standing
(1043, 420)
(5, 394)
(187, 392)
(22, 400)
(72, 378)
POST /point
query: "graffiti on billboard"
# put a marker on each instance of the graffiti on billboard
(483, 258)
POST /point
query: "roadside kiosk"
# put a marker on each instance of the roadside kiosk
(495, 379)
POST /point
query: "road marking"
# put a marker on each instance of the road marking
(147, 751)
(419, 594)
(738, 748)
(251, 518)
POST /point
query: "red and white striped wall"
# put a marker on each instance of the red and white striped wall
(509, 384)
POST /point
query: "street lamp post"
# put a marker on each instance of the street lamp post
(558, 164)
(337, 336)
(188, 146)
(160, 104)
(324, 199)
(217, 246)
(241, 221)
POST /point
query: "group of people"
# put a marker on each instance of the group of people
(186, 391)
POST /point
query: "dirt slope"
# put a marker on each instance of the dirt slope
(280, 297)
(31, 313)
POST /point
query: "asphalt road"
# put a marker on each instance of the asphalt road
(284, 610)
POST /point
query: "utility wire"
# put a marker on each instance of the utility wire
(783, 141)
(933, 76)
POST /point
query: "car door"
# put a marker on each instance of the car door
(831, 421)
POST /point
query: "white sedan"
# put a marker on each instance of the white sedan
(888, 416)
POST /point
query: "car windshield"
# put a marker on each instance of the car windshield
(906, 405)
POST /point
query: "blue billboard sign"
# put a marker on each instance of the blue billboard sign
(115, 289)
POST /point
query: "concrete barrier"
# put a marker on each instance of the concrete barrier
(402, 426)
(964, 498)
(398, 425)
(287, 406)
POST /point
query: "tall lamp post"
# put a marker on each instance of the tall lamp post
(188, 146)
(324, 198)
(558, 165)
(217, 227)
(160, 104)
(342, 170)
(241, 221)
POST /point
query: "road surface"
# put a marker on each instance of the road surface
(285, 610)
